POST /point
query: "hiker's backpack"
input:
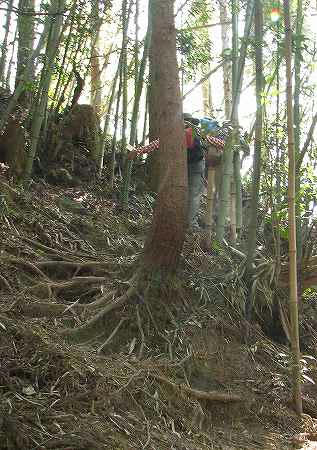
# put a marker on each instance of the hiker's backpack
(195, 151)
(210, 126)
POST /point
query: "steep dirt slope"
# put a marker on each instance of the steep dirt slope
(211, 382)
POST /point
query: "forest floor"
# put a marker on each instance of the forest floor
(216, 382)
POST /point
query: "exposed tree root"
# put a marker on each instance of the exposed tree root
(73, 283)
(102, 300)
(41, 309)
(72, 264)
(212, 396)
(25, 263)
(5, 283)
(41, 290)
(112, 335)
(96, 325)
(141, 332)
(50, 250)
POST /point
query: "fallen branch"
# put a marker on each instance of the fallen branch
(212, 396)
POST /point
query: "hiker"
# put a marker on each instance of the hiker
(196, 170)
(196, 166)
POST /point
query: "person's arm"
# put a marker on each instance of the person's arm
(133, 152)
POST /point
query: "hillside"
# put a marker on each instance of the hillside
(212, 381)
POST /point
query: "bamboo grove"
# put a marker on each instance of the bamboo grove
(105, 70)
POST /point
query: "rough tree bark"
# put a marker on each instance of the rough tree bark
(164, 244)
(165, 241)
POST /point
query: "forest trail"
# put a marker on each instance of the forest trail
(213, 382)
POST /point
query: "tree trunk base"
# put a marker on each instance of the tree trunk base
(144, 319)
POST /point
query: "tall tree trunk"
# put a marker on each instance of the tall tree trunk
(228, 194)
(28, 69)
(166, 238)
(252, 230)
(136, 43)
(237, 75)
(146, 114)
(47, 72)
(116, 122)
(11, 61)
(234, 117)
(135, 115)
(225, 28)
(4, 47)
(95, 70)
(107, 119)
(25, 48)
(95, 76)
(153, 160)
(207, 99)
(239, 70)
(64, 62)
(207, 84)
(125, 24)
(242, 56)
(279, 157)
(62, 90)
(224, 198)
(293, 305)
(238, 191)
(297, 135)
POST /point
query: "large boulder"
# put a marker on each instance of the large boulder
(73, 143)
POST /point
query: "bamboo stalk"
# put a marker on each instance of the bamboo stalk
(210, 204)
(293, 306)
